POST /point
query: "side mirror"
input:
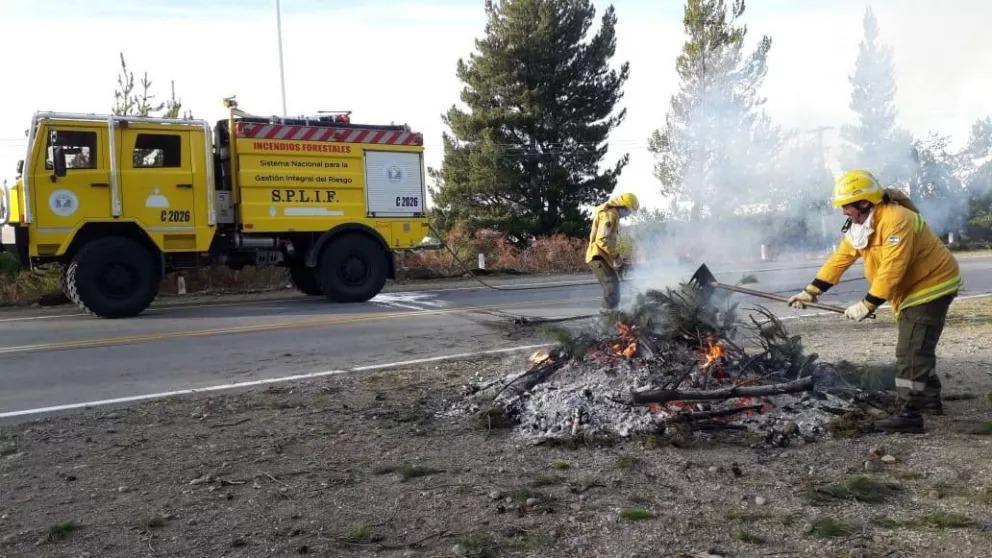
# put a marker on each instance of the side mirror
(58, 160)
(20, 167)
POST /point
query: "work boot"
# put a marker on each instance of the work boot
(908, 421)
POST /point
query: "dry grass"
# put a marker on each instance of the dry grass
(550, 254)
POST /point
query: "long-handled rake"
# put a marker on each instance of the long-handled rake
(706, 282)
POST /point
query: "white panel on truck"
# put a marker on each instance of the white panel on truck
(394, 183)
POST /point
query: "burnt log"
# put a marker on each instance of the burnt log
(665, 395)
(709, 415)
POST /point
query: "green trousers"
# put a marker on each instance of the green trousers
(919, 331)
(610, 281)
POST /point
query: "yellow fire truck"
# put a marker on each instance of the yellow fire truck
(119, 201)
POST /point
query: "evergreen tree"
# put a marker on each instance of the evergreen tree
(876, 143)
(717, 145)
(935, 185)
(977, 176)
(128, 100)
(540, 102)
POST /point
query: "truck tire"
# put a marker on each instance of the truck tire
(113, 277)
(64, 283)
(305, 279)
(353, 268)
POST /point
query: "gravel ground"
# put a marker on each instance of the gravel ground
(366, 465)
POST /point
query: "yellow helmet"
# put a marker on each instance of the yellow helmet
(856, 185)
(627, 200)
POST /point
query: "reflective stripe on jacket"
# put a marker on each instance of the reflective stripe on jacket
(905, 263)
(603, 235)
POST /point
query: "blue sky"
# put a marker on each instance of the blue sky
(395, 61)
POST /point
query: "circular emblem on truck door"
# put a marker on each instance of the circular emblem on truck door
(63, 203)
(394, 174)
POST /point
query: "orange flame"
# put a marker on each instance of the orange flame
(539, 356)
(626, 344)
(713, 352)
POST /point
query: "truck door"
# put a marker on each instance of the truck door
(157, 180)
(63, 202)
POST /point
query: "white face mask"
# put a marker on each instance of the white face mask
(858, 235)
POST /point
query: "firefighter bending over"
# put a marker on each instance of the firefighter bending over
(602, 255)
(906, 265)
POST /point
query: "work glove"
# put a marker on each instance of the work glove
(807, 295)
(859, 310)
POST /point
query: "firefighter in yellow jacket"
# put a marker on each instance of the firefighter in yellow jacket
(601, 254)
(908, 266)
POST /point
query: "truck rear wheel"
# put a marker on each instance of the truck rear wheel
(113, 277)
(353, 268)
(64, 284)
(305, 279)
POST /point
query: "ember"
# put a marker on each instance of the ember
(625, 344)
(539, 356)
(676, 364)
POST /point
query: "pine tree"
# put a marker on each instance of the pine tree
(977, 176)
(129, 101)
(876, 143)
(540, 102)
(717, 142)
(936, 186)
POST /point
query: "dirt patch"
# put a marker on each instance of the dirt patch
(367, 465)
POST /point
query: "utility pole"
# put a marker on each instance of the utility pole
(282, 76)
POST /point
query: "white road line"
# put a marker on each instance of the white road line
(224, 387)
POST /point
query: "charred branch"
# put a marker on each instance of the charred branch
(665, 395)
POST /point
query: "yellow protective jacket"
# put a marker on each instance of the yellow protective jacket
(905, 263)
(603, 234)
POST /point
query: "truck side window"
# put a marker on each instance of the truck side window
(79, 148)
(157, 151)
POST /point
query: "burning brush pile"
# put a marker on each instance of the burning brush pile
(677, 364)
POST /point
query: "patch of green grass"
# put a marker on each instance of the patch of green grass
(936, 520)
(561, 465)
(748, 537)
(546, 480)
(907, 474)
(492, 418)
(154, 521)
(860, 488)
(947, 520)
(825, 527)
(984, 429)
(637, 514)
(61, 531)
(406, 471)
(627, 462)
(361, 533)
(479, 544)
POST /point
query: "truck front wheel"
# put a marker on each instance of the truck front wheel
(113, 277)
(353, 268)
(305, 279)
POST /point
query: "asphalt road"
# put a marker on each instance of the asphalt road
(57, 357)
